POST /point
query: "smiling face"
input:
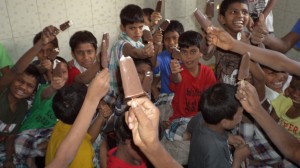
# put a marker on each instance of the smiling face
(134, 31)
(23, 86)
(275, 80)
(294, 90)
(84, 54)
(236, 18)
(190, 57)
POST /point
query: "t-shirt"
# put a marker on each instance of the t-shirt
(187, 93)
(281, 105)
(10, 121)
(5, 59)
(85, 153)
(73, 72)
(115, 162)
(208, 148)
(41, 114)
(163, 68)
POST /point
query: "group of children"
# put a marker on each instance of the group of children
(201, 119)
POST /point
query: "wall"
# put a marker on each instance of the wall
(22, 19)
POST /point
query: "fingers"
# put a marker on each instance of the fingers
(175, 66)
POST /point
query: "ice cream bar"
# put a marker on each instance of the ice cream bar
(147, 81)
(65, 25)
(158, 6)
(175, 53)
(57, 70)
(130, 80)
(104, 51)
(53, 54)
(202, 19)
(209, 11)
(163, 26)
(147, 36)
(244, 67)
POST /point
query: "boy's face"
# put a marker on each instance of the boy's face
(45, 51)
(134, 31)
(23, 86)
(171, 40)
(85, 54)
(236, 17)
(190, 56)
(275, 80)
(147, 21)
(294, 91)
(237, 118)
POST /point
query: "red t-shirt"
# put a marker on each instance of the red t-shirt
(73, 72)
(187, 93)
(114, 162)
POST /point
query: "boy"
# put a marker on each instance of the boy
(129, 44)
(221, 111)
(233, 16)
(69, 96)
(165, 96)
(126, 154)
(36, 129)
(84, 66)
(16, 86)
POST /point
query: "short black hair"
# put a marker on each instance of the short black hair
(81, 37)
(131, 14)
(174, 26)
(189, 38)
(218, 103)
(138, 61)
(33, 71)
(147, 12)
(67, 102)
(226, 3)
(38, 36)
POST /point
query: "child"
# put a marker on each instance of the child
(234, 16)
(36, 129)
(221, 112)
(69, 96)
(18, 84)
(147, 16)
(165, 96)
(84, 66)
(44, 63)
(5, 61)
(188, 82)
(129, 44)
(126, 154)
(287, 108)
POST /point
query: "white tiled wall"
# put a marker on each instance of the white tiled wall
(22, 19)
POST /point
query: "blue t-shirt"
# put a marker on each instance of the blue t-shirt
(163, 68)
(296, 29)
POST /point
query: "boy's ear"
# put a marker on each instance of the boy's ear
(122, 28)
(225, 123)
(221, 19)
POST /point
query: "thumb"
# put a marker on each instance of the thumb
(261, 18)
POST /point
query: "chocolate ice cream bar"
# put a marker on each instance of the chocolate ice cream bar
(163, 26)
(130, 80)
(147, 81)
(65, 25)
(209, 11)
(202, 19)
(57, 70)
(175, 53)
(244, 67)
(104, 51)
(147, 36)
(158, 6)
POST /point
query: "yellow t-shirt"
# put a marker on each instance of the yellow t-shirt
(85, 154)
(281, 105)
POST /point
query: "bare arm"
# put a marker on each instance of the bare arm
(87, 76)
(141, 53)
(282, 45)
(269, 7)
(154, 90)
(258, 77)
(285, 142)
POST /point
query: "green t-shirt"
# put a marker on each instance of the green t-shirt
(5, 59)
(41, 114)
